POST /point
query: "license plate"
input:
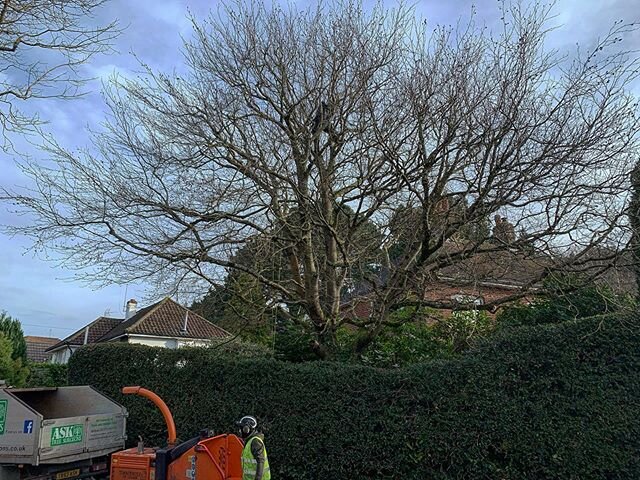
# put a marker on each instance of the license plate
(68, 474)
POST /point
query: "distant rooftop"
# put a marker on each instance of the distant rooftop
(96, 329)
(37, 346)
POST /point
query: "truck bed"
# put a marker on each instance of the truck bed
(58, 425)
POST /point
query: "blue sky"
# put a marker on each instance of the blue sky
(42, 294)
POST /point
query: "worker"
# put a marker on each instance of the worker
(255, 465)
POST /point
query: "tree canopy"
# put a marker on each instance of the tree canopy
(287, 117)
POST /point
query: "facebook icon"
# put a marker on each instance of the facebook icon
(28, 426)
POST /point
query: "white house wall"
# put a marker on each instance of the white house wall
(62, 356)
(153, 341)
(167, 342)
(193, 343)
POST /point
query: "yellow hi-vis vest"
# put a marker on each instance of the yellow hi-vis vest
(250, 464)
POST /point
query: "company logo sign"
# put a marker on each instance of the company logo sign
(3, 415)
(66, 435)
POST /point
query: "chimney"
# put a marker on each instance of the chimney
(132, 305)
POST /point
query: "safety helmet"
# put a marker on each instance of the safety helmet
(248, 425)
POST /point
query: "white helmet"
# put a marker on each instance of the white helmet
(248, 425)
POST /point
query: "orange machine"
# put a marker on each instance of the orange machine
(201, 458)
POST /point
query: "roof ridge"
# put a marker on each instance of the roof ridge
(204, 318)
(85, 328)
(88, 325)
(143, 317)
(195, 313)
(183, 311)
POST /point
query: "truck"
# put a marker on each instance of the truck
(58, 433)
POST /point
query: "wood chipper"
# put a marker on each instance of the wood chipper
(69, 433)
(204, 457)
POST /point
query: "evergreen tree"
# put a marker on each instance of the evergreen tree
(12, 370)
(12, 330)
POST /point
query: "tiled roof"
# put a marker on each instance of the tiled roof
(357, 309)
(167, 319)
(441, 291)
(37, 346)
(97, 329)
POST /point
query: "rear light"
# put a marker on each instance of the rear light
(98, 466)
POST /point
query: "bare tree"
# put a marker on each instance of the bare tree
(42, 44)
(288, 117)
(634, 222)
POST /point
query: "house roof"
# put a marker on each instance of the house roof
(166, 318)
(37, 346)
(97, 329)
(442, 290)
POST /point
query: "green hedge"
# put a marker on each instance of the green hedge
(47, 375)
(557, 401)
